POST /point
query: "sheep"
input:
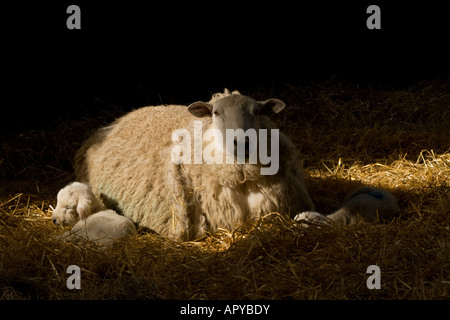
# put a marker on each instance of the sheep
(129, 165)
(75, 202)
(77, 206)
(367, 203)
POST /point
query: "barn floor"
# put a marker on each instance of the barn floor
(397, 139)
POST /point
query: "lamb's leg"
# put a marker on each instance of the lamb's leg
(311, 216)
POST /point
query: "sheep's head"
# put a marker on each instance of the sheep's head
(75, 202)
(237, 112)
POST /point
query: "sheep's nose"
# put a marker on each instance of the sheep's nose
(246, 144)
(246, 141)
(54, 220)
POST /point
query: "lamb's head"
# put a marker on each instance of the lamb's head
(75, 202)
(237, 114)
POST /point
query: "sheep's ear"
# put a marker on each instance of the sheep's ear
(274, 105)
(84, 208)
(200, 109)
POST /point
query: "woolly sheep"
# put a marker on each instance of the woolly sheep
(368, 203)
(128, 165)
(78, 206)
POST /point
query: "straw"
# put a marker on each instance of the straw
(397, 139)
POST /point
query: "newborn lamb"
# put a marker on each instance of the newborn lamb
(78, 207)
(367, 203)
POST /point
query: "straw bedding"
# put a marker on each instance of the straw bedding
(397, 139)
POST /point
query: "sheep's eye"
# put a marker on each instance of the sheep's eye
(215, 112)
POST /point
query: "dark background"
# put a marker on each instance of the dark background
(131, 54)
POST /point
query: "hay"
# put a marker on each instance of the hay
(394, 139)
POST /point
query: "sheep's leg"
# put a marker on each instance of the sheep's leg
(311, 217)
(197, 223)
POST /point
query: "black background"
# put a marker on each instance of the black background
(131, 54)
(278, 309)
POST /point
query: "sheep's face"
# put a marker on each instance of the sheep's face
(238, 113)
(74, 203)
(66, 209)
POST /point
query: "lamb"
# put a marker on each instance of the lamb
(129, 165)
(77, 206)
(367, 203)
(75, 202)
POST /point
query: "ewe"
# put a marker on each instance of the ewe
(130, 166)
(78, 206)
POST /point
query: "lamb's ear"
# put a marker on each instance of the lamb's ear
(200, 109)
(84, 208)
(274, 105)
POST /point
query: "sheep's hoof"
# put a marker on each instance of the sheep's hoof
(309, 217)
